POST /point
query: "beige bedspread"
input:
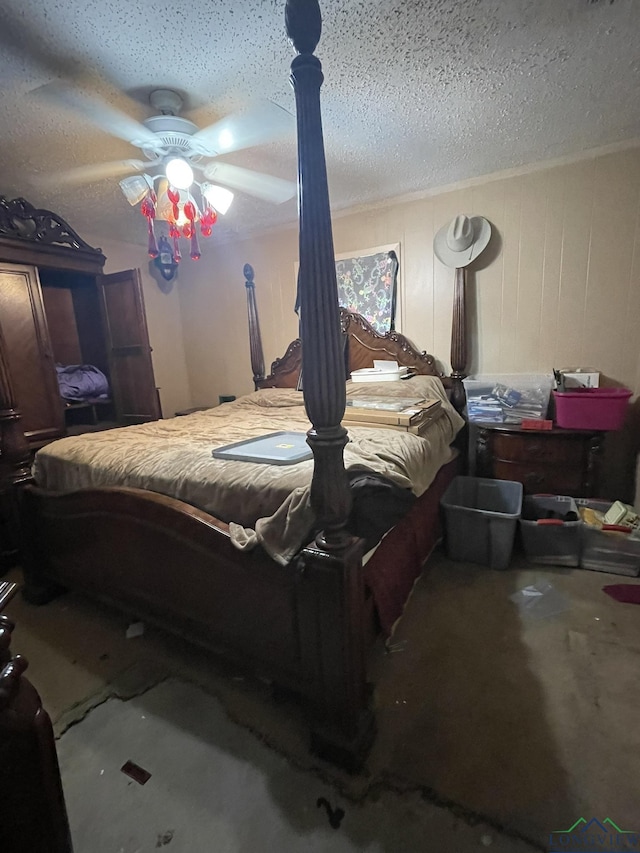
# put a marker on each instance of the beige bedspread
(265, 504)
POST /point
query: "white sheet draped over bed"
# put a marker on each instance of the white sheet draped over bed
(263, 504)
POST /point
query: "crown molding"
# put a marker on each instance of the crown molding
(491, 177)
(242, 235)
(443, 189)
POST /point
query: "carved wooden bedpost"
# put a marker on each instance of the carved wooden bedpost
(255, 339)
(322, 351)
(459, 354)
(33, 815)
(331, 587)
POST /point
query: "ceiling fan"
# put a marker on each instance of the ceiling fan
(178, 175)
(175, 150)
(168, 138)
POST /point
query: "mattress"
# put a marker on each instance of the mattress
(263, 504)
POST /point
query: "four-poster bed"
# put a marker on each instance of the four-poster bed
(307, 624)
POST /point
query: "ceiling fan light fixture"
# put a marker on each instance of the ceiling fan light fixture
(165, 207)
(135, 188)
(219, 198)
(179, 173)
(183, 219)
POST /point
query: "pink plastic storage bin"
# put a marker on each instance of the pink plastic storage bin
(592, 408)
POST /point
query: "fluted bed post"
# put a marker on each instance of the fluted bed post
(459, 354)
(255, 339)
(33, 814)
(322, 353)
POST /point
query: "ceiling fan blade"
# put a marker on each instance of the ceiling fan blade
(99, 113)
(19, 37)
(261, 123)
(253, 183)
(89, 174)
(76, 85)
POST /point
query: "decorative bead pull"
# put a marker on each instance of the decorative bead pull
(174, 233)
(152, 246)
(195, 248)
(148, 210)
(207, 221)
(190, 213)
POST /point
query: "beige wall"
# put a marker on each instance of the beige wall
(559, 285)
(214, 311)
(163, 321)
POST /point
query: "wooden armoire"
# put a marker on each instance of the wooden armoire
(57, 306)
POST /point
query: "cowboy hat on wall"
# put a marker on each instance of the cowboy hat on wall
(462, 240)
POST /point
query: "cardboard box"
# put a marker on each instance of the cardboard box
(579, 379)
(417, 429)
(389, 410)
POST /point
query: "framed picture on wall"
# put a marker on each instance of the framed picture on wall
(368, 284)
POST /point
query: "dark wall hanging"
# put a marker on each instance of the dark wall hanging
(367, 284)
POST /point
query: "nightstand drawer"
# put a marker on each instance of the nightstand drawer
(541, 478)
(538, 448)
(560, 462)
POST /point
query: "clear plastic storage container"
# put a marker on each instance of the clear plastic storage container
(607, 551)
(551, 530)
(507, 397)
(481, 517)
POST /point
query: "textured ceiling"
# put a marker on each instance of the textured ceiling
(418, 93)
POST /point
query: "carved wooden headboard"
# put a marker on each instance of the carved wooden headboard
(362, 345)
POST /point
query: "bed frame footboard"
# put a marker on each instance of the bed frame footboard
(168, 563)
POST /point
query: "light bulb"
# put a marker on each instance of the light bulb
(225, 140)
(182, 219)
(179, 173)
(218, 197)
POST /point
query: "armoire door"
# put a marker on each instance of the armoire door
(29, 353)
(132, 382)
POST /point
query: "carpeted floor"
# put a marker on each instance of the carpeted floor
(492, 715)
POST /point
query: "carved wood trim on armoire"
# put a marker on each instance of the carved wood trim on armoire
(57, 306)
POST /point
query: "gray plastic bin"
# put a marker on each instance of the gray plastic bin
(481, 516)
(604, 551)
(551, 541)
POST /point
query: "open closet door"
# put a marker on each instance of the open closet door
(132, 381)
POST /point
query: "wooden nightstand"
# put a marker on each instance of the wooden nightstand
(557, 461)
